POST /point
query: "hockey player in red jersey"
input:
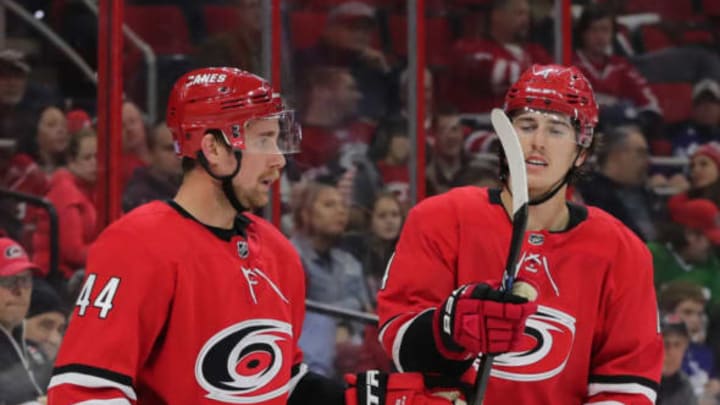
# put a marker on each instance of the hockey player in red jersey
(196, 300)
(591, 336)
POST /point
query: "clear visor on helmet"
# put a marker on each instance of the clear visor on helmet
(557, 126)
(273, 134)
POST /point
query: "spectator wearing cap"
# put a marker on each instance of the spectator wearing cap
(77, 120)
(704, 175)
(704, 123)
(161, 179)
(347, 41)
(687, 300)
(686, 248)
(675, 388)
(20, 362)
(46, 319)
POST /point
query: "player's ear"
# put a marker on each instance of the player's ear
(211, 148)
(582, 157)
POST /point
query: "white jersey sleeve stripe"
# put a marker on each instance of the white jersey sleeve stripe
(114, 401)
(296, 378)
(90, 381)
(604, 403)
(622, 388)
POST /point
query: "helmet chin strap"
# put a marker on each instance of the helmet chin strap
(226, 181)
(554, 190)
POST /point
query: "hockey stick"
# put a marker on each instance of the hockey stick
(519, 190)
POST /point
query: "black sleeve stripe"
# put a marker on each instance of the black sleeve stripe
(418, 351)
(389, 321)
(625, 379)
(316, 389)
(95, 372)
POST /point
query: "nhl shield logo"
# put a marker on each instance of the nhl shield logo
(536, 239)
(242, 249)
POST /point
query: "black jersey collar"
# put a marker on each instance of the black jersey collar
(239, 228)
(578, 213)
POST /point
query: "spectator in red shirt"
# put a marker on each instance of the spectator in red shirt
(616, 82)
(482, 68)
(72, 192)
(51, 140)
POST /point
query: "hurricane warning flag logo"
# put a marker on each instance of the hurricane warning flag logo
(243, 364)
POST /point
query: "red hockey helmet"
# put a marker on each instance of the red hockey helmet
(229, 100)
(559, 89)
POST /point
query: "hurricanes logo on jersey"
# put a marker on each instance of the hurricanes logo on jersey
(548, 341)
(243, 364)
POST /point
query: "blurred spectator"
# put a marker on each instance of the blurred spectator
(72, 191)
(51, 140)
(135, 151)
(704, 124)
(391, 150)
(617, 84)
(329, 101)
(347, 42)
(482, 68)
(675, 389)
(482, 170)
(20, 100)
(161, 179)
(687, 300)
(685, 249)
(24, 371)
(619, 186)
(447, 160)
(333, 276)
(374, 247)
(429, 96)
(704, 175)
(46, 319)
(241, 47)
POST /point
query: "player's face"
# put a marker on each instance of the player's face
(14, 299)
(549, 144)
(691, 312)
(47, 331)
(703, 171)
(261, 163)
(675, 346)
(328, 214)
(386, 219)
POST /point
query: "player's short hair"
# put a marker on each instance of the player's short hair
(189, 164)
(676, 292)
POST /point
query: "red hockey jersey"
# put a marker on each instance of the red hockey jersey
(482, 70)
(175, 312)
(617, 79)
(595, 336)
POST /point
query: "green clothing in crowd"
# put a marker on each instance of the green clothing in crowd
(670, 266)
